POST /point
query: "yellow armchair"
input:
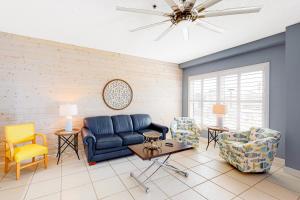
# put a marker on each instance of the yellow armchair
(17, 151)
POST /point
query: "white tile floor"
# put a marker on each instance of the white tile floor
(209, 178)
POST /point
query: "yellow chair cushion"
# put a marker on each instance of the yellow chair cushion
(29, 151)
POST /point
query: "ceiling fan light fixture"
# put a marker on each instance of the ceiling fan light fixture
(186, 13)
(185, 33)
(185, 23)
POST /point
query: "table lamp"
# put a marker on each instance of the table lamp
(219, 110)
(68, 110)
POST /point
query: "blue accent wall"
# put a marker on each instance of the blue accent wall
(271, 49)
(292, 57)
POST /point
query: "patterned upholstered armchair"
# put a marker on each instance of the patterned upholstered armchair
(250, 151)
(185, 130)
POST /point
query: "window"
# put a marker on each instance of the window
(243, 90)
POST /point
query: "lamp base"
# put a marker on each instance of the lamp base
(220, 121)
(69, 125)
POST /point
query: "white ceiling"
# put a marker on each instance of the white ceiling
(96, 24)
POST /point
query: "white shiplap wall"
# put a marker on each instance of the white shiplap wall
(36, 76)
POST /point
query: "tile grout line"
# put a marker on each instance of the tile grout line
(121, 179)
(207, 180)
(61, 165)
(250, 186)
(28, 186)
(264, 179)
(189, 187)
(172, 174)
(50, 193)
(153, 182)
(222, 173)
(186, 168)
(86, 165)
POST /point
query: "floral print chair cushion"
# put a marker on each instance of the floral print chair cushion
(185, 130)
(250, 153)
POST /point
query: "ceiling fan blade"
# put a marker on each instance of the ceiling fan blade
(189, 4)
(173, 5)
(185, 32)
(165, 32)
(206, 4)
(142, 11)
(149, 26)
(232, 11)
(210, 26)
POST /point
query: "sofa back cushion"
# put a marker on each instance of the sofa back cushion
(141, 121)
(101, 125)
(122, 123)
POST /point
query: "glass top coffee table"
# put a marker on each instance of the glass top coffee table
(164, 150)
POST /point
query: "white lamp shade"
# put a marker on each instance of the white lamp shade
(68, 110)
(219, 109)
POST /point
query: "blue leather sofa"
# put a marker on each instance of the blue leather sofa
(107, 137)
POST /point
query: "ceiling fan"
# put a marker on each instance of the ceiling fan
(187, 13)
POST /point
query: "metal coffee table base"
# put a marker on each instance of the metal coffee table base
(159, 164)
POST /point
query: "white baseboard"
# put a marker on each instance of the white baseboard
(292, 171)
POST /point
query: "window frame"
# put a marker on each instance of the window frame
(265, 67)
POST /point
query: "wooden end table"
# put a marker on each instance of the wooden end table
(145, 154)
(212, 134)
(69, 139)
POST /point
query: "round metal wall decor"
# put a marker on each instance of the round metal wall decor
(117, 94)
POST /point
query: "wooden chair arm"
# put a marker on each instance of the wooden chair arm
(10, 147)
(43, 136)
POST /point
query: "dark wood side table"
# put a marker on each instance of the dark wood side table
(212, 134)
(69, 139)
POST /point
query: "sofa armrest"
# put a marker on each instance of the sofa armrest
(234, 136)
(9, 150)
(162, 129)
(269, 142)
(87, 136)
(159, 128)
(89, 141)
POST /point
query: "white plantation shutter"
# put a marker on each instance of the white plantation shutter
(251, 99)
(244, 91)
(209, 99)
(229, 97)
(195, 103)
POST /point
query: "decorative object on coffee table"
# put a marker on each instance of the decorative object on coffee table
(152, 141)
(165, 150)
(69, 139)
(117, 94)
(212, 134)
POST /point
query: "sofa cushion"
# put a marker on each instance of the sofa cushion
(122, 123)
(101, 125)
(140, 121)
(131, 138)
(108, 141)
